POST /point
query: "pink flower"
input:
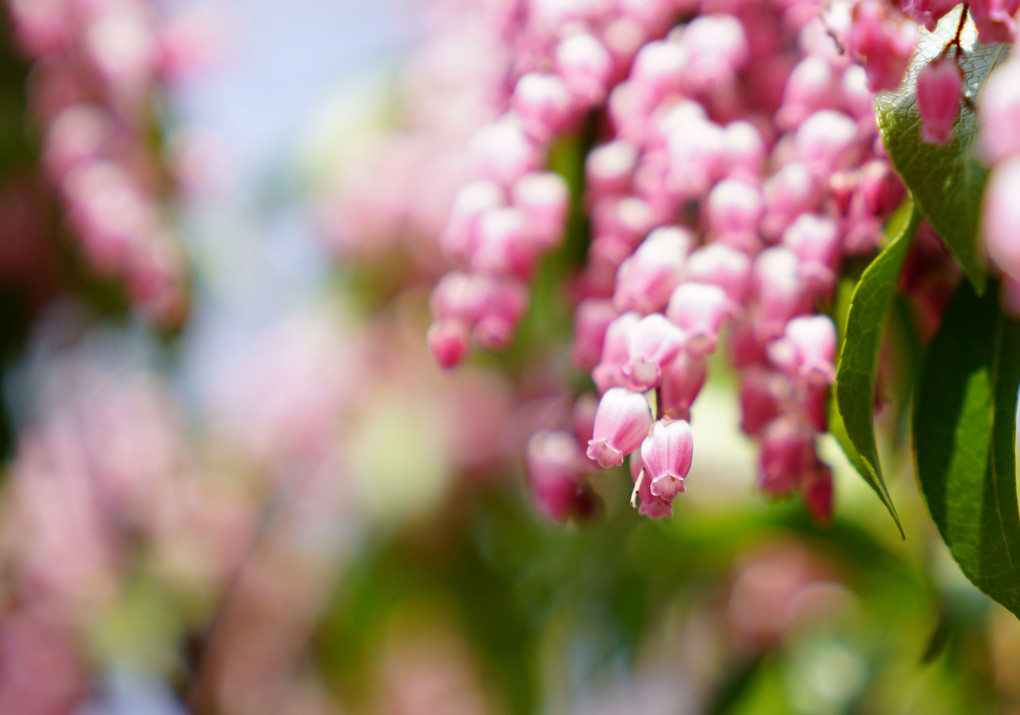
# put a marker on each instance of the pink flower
(651, 506)
(817, 243)
(761, 394)
(591, 320)
(680, 383)
(544, 199)
(818, 492)
(939, 90)
(615, 352)
(787, 450)
(448, 342)
(621, 424)
(723, 266)
(609, 168)
(666, 455)
(1000, 113)
(700, 310)
(928, 12)
(807, 349)
(733, 211)
(585, 66)
(882, 40)
(824, 141)
(645, 281)
(543, 104)
(651, 344)
(556, 468)
(1002, 217)
(995, 19)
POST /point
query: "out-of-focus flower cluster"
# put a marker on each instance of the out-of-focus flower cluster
(223, 526)
(96, 94)
(726, 163)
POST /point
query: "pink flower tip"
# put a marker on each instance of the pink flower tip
(939, 91)
(448, 342)
(622, 421)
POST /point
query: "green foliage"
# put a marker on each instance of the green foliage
(858, 359)
(946, 182)
(964, 433)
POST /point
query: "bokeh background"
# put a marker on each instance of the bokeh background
(234, 481)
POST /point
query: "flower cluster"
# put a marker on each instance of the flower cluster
(94, 84)
(735, 163)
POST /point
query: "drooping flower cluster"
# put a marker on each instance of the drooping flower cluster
(881, 37)
(93, 91)
(730, 162)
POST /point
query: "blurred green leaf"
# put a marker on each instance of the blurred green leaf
(964, 433)
(858, 359)
(945, 181)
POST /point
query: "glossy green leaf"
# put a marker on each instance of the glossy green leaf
(964, 433)
(858, 359)
(946, 182)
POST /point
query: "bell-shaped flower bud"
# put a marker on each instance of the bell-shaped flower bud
(743, 151)
(882, 41)
(615, 352)
(651, 506)
(503, 151)
(816, 242)
(939, 91)
(778, 289)
(543, 104)
(652, 343)
(582, 417)
(457, 296)
(591, 319)
(700, 310)
(787, 451)
(608, 169)
(824, 141)
(1002, 216)
(928, 12)
(734, 209)
(718, 49)
(448, 342)
(645, 281)
(697, 148)
(586, 67)
(789, 192)
(556, 467)
(621, 425)
(544, 198)
(504, 247)
(995, 20)
(504, 301)
(807, 349)
(1000, 112)
(666, 456)
(627, 219)
(723, 266)
(880, 187)
(761, 395)
(458, 237)
(818, 492)
(680, 384)
(657, 70)
(812, 86)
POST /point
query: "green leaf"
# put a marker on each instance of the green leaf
(858, 359)
(964, 434)
(946, 182)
